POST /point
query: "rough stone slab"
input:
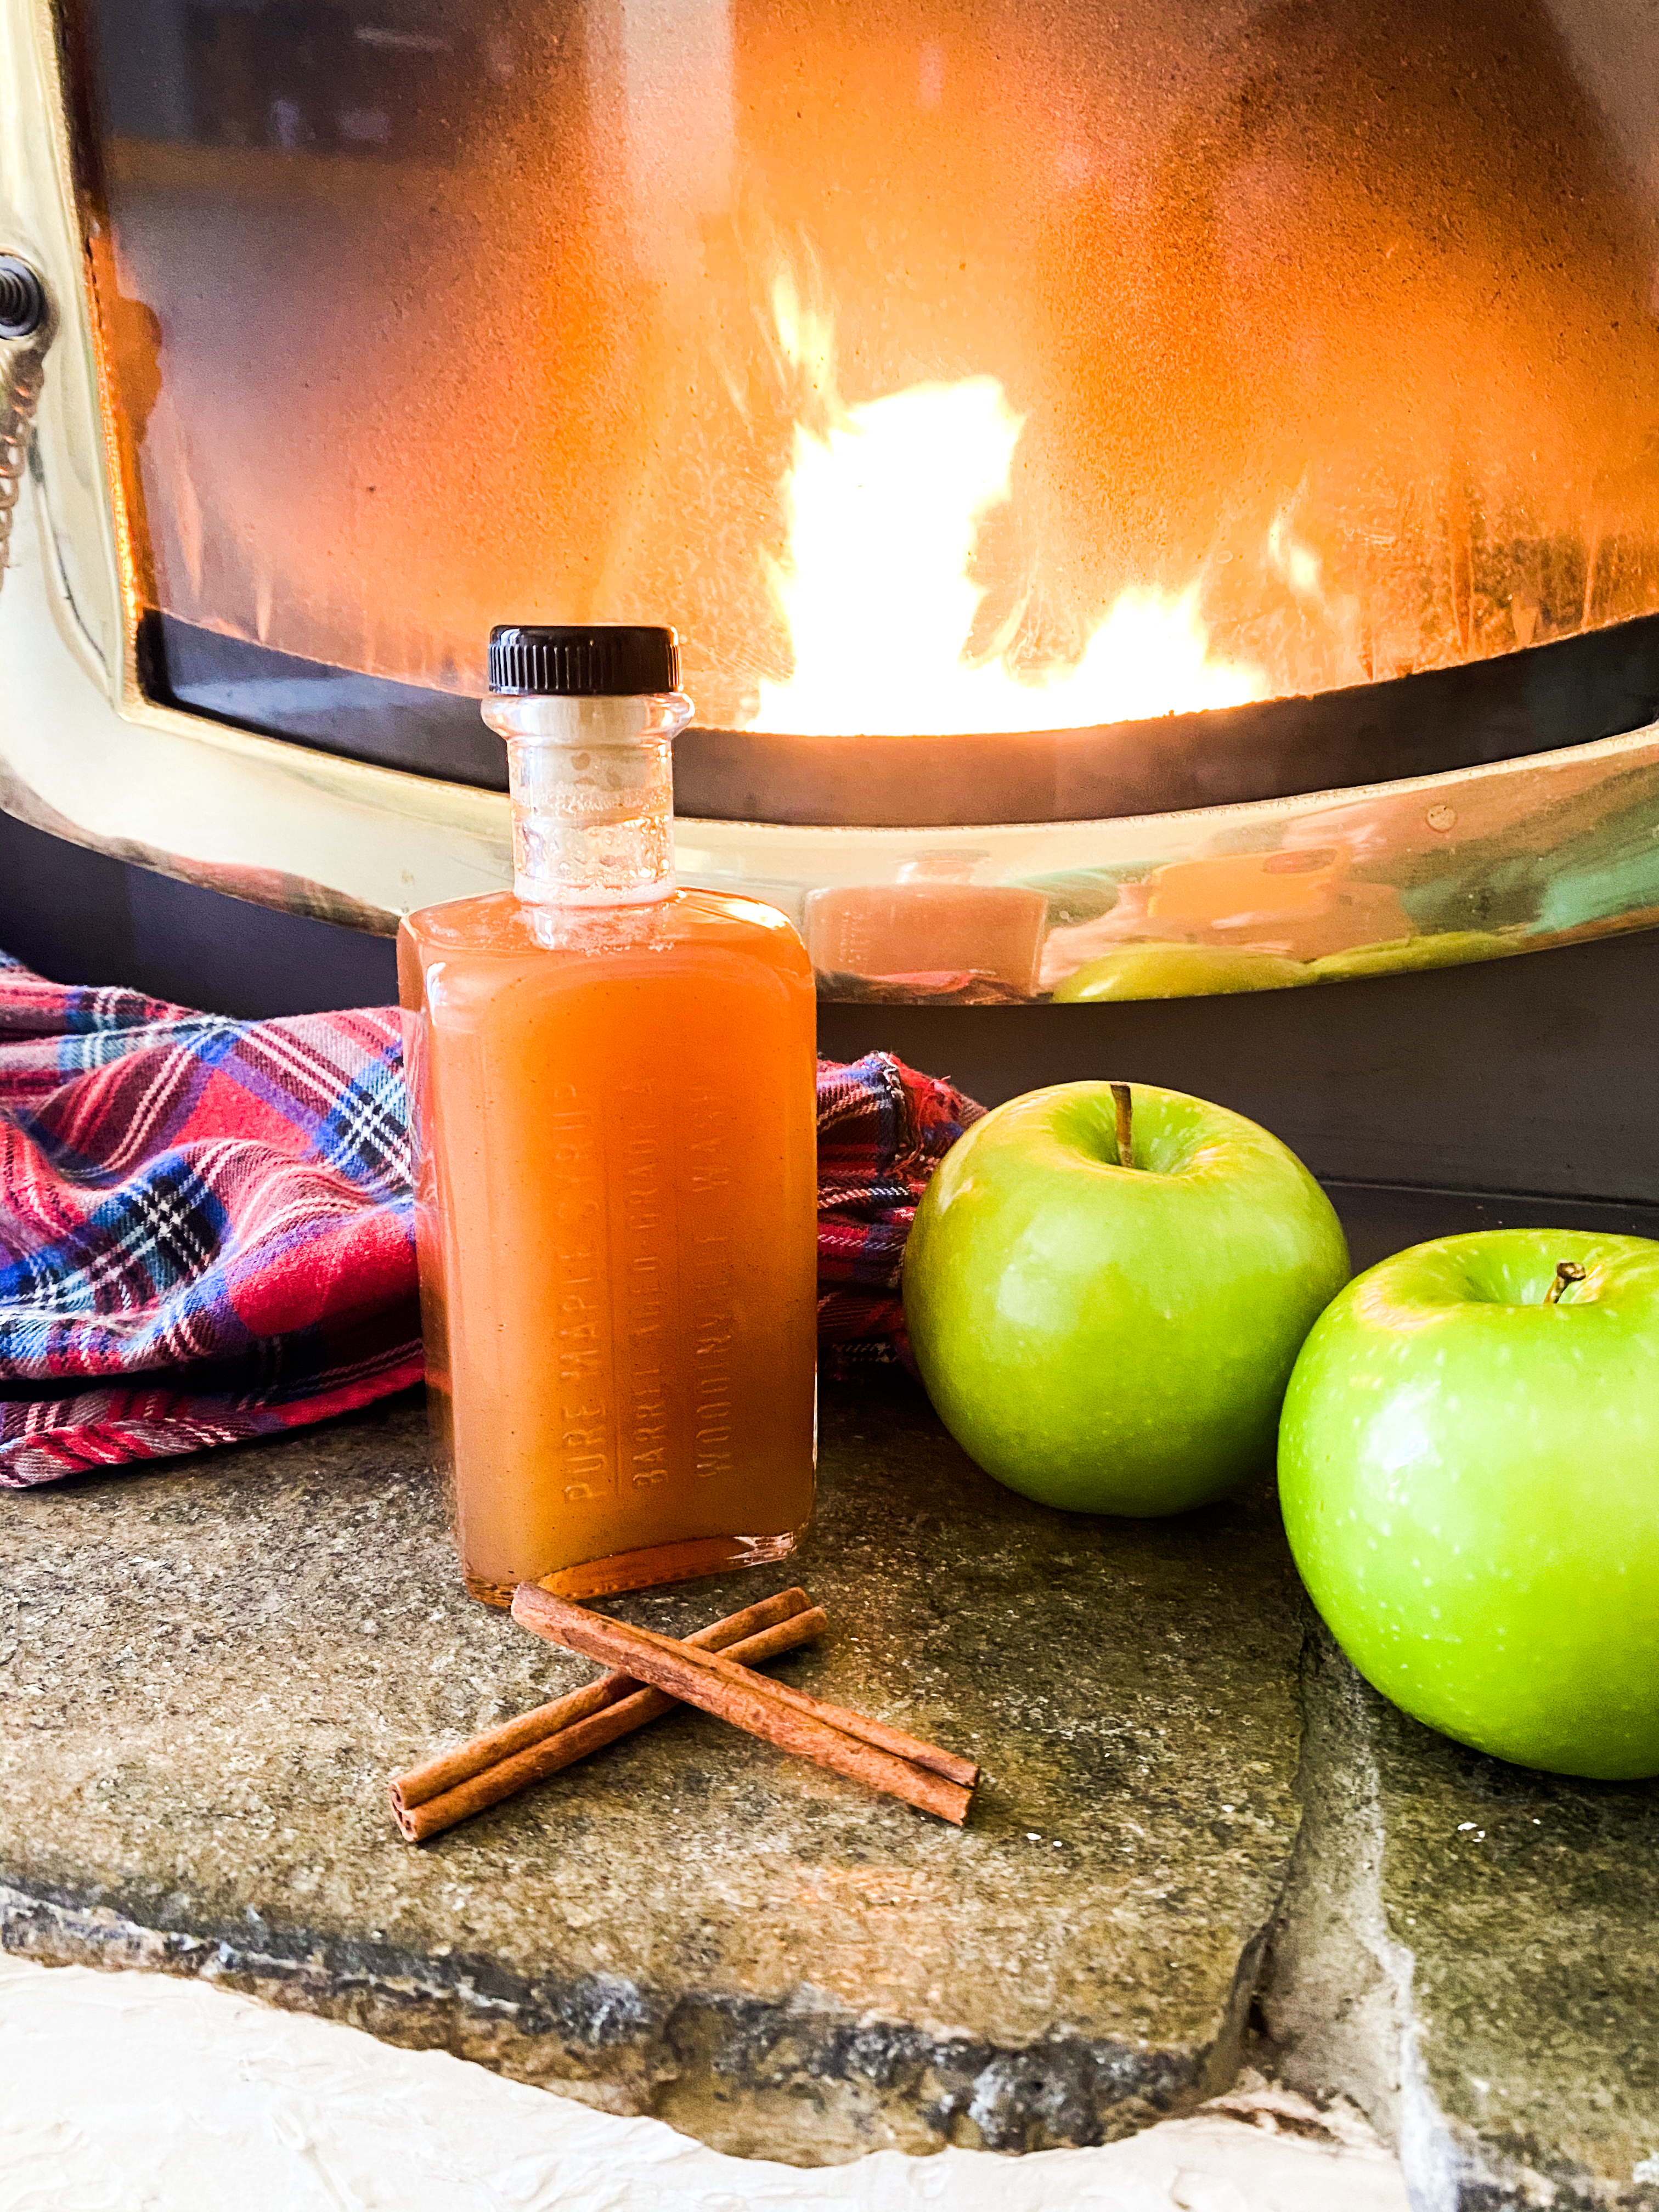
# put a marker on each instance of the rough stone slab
(1526, 1910)
(1470, 1950)
(208, 1673)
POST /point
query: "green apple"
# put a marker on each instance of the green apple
(1469, 1467)
(1112, 1339)
(1179, 971)
(1446, 948)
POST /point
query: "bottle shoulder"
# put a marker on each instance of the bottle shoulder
(498, 924)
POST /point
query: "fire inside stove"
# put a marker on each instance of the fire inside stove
(884, 503)
(935, 368)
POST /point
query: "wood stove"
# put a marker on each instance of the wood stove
(1157, 501)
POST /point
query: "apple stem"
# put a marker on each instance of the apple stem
(1566, 1272)
(1125, 1147)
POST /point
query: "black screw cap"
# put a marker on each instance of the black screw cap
(22, 299)
(582, 660)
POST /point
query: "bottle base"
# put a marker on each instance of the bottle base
(685, 1562)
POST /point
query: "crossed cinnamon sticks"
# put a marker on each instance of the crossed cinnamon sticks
(653, 1674)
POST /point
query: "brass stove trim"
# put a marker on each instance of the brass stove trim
(1495, 860)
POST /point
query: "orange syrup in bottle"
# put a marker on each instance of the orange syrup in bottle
(612, 1090)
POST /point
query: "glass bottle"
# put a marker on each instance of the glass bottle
(612, 1091)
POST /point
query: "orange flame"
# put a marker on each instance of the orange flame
(884, 503)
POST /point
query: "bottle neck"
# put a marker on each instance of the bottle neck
(592, 788)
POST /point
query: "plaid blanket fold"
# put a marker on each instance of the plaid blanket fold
(206, 1225)
(883, 1128)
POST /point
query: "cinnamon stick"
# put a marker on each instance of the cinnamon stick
(484, 1754)
(717, 1683)
(589, 1732)
(963, 1771)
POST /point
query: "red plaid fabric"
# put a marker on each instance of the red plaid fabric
(883, 1129)
(205, 1224)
